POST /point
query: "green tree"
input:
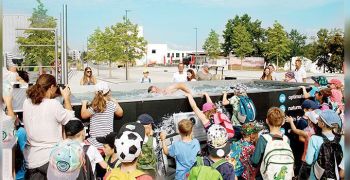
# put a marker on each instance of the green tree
(212, 45)
(277, 45)
(38, 55)
(117, 43)
(254, 28)
(297, 44)
(241, 42)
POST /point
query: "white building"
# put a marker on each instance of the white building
(75, 54)
(11, 22)
(162, 54)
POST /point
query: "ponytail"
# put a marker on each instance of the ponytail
(99, 102)
(38, 91)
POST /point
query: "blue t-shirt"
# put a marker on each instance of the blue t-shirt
(185, 154)
(313, 149)
(313, 91)
(21, 140)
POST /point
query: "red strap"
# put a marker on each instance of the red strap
(229, 131)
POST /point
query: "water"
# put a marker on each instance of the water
(211, 89)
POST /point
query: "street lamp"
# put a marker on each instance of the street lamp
(196, 45)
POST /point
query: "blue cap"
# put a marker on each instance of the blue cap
(309, 104)
(145, 119)
(330, 117)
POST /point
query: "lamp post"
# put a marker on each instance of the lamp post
(195, 57)
(126, 63)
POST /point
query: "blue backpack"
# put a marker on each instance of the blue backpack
(247, 108)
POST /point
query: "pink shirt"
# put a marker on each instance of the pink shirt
(43, 124)
(337, 97)
(309, 131)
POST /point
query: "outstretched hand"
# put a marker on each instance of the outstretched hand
(289, 119)
(162, 136)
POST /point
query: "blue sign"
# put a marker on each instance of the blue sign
(283, 108)
(282, 98)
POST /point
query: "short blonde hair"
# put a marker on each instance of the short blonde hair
(275, 117)
(185, 127)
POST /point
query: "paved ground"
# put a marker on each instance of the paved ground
(164, 74)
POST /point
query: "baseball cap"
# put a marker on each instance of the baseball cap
(313, 115)
(217, 140)
(66, 160)
(330, 117)
(309, 104)
(145, 119)
(321, 80)
(208, 106)
(102, 87)
(251, 128)
(133, 127)
(337, 82)
(73, 127)
(128, 146)
(108, 139)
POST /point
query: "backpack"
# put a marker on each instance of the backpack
(148, 160)
(278, 159)
(224, 122)
(203, 172)
(86, 172)
(117, 174)
(246, 109)
(235, 154)
(329, 158)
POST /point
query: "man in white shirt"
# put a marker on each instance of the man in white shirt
(300, 73)
(180, 76)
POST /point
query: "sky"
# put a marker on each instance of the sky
(172, 22)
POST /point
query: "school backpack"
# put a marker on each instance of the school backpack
(203, 172)
(278, 159)
(148, 160)
(328, 159)
(86, 172)
(234, 157)
(225, 122)
(117, 174)
(246, 109)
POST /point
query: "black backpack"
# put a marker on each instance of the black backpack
(329, 158)
(86, 172)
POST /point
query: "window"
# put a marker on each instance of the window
(177, 54)
(183, 55)
(153, 51)
(172, 54)
(168, 55)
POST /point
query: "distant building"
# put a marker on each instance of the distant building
(11, 22)
(75, 54)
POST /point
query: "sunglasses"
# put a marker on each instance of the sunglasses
(88, 71)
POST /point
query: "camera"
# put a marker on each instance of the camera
(58, 91)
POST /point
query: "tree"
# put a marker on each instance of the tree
(277, 45)
(297, 44)
(254, 29)
(212, 45)
(241, 42)
(38, 55)
(117, 43)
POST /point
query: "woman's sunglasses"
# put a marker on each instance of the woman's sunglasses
(88, 71)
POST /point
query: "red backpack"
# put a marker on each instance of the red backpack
(226, 123)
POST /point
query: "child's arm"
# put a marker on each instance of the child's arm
(309, 158)
(225, 101)
(259, 152)
(196, 110)
(103, 164)
(305, 93)
(294, 129)
(164, 146)
(207, 97)
(84, 113)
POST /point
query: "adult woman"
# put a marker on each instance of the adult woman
(102, 110)
(191, 76)
(266, 74)
(43, 117)
(88, 78)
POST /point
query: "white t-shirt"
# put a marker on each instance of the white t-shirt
(274, 76)
(94, 156)
(43, 124)
(300, 74)
(177, 77)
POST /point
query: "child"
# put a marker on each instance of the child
(109, 150)
(74, 130)
(102, 110)
(323, 98)
(337, 94)
(147, 160)
(242, 150)
(145, 78)
(218, 147)
(316, 151)
(184, 151)
(274, 147)
(210, 115)
(319, 83)
(129, 144)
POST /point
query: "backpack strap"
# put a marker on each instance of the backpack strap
(222, 123)
(218, 163)
(86, 148)
(200, 161)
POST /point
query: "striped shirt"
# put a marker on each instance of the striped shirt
(101, 123)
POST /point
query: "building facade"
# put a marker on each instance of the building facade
(11, 22)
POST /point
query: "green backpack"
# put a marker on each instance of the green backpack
(148, 160)
(203, 172)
